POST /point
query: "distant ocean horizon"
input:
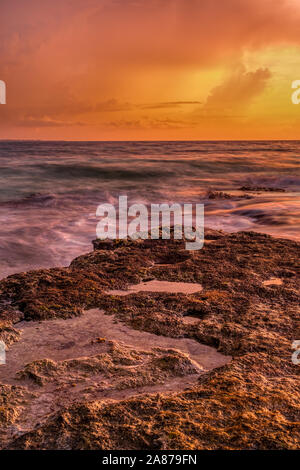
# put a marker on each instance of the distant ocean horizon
(50, 190)
(151, 141)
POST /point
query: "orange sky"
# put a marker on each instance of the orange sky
(149, 69)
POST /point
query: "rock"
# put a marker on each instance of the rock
(250, 403)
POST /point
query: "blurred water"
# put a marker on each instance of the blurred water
(49, 191)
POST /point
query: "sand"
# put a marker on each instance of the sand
(63, 361)
(160, 286)
(274, 281)
(65, 339)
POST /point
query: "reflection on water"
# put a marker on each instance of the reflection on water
(49, 191)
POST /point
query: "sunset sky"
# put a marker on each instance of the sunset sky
(149, 69)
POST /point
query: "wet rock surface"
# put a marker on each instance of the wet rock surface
(118, 395)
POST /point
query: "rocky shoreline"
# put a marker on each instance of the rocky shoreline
(250, 402)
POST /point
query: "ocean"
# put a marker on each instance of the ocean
(49, 191)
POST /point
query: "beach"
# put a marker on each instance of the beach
(142, 344)
(114, 358)
(50, 191)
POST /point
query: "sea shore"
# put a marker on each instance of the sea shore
(107, 354)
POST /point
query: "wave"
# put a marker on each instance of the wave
(49, 191)
(34, 199)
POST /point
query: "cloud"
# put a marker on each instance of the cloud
(238, 90)
(169, 104)
(194, 32)
(81, 60)
(46, 122)
(152, 123)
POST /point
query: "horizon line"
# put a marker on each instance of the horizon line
(153, 141)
